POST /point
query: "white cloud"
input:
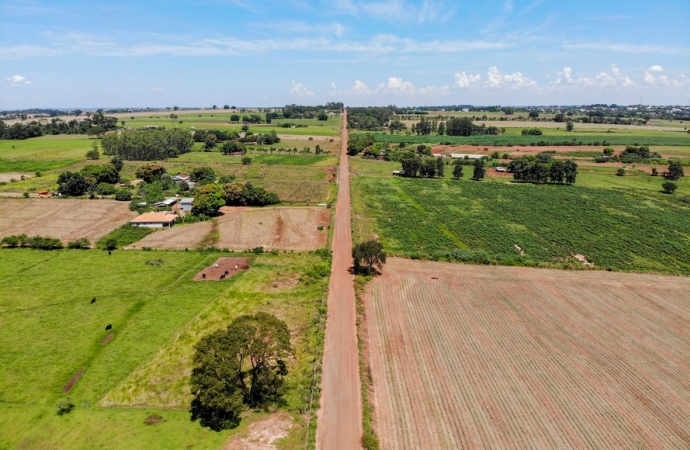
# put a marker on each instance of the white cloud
(18, 80)
(463, 80)
(565, 77)
(630, 48)
(655, 69)
(156, 89)
(613, 78)
(397, 86)
(495, 79)
(360, 88)
(662, 80)
(299, 90)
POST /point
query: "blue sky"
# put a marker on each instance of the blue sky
(76, 53)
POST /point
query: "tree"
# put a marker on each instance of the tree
(479, 170)
(569, 126)
(669, 187)
(93, 153)
(202, 175)
(226, 106)
(368, 256)
(233, 147)
(246, 160)
(72, 183)
(439, 167)
(459, 126)
(557, 172)
(241, 366)
(620, 172)
(411, 164)
(208, 200)
(210, 141)
(570, 168)
(457, 171)
(428, 168)
(534, 114)
(150, 172)
(675, 170)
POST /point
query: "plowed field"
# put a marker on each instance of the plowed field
(65, 219)
(499, 357)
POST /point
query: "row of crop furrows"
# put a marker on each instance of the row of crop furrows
(467, 365)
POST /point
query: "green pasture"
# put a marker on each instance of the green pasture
(512, 137)
(484, 221)
(49, 330)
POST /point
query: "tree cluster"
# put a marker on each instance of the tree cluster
(415, 166)
(36, 242)
(372, 118)
(240, 367)
(95, 125)
(530, 169)
(89, 178)
(148, 145)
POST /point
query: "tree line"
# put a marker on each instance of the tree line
(148, 145)
(96, 125)
(533, 169)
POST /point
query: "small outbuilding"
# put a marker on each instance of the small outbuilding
(167, 203)
(186, 204)
(154, 220)
(465, 156)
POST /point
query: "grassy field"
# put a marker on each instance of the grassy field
(520, 224)
(506, 357)
(49, 331)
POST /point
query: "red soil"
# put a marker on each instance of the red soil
(218, 269)
(72, 381)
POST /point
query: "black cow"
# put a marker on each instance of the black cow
(108, 327)
(226, 272)
(203, 276)
(93, 300)
(222, 277)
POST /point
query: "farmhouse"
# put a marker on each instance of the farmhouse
(154, 219)
(465, 156)
(180, 177)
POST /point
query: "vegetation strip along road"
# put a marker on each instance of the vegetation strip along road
(340, 422)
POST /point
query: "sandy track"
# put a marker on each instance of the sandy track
(497, 357)
(178, 237)
(339, 424)
(65, 219)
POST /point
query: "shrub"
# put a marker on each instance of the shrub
(246, 160)
(105, 189)
(80, 244)
(25, 195)
(669, 188)
(64, 406)
(620, 172)
(123, 195)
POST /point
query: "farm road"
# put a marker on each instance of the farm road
(339, 424)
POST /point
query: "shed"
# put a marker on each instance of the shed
(167, 203)
(186, 204)
(154, 220)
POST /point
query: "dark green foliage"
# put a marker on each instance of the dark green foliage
(246, 160)
(36, 242)
(150, 172)
(620, 172)
(208, 200)
(459, 126)
(531, 170)
(641, 154)
(147, 145)
(439, 167)
(242, 366)
(669, 187)
(80, 244)
(105, 189)
(233, 147)
(479, 170)
(428, 168)
(431, 220)
(202, 175)
(238, 194)
(368, 257)
(532, 132)
(457, 171)
(675, 170)
(370, 118)
(411, 164)
(100, 173)
(92, 154)
(72, 183)
(358, 142)
(123, 195)
(64, 406)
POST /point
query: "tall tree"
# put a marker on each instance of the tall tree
(457, 171)
(675, 170)
(242, 366)
(368, 256)
(479, 170)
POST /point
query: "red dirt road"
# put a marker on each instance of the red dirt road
(339, 424)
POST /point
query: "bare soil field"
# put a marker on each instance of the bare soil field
(178, 237)
(8, 176)
(280, 228)
(523, 150)
(223, 269)
(500, 357)
(65, 219)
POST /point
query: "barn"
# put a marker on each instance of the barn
(155, 220)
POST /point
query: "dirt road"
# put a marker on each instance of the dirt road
(339, 424)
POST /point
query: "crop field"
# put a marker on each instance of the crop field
(65, 219)
(497, 357)
(50, 331)
(522, 224)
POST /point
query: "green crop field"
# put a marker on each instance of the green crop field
(49, 331)
(488, 221)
